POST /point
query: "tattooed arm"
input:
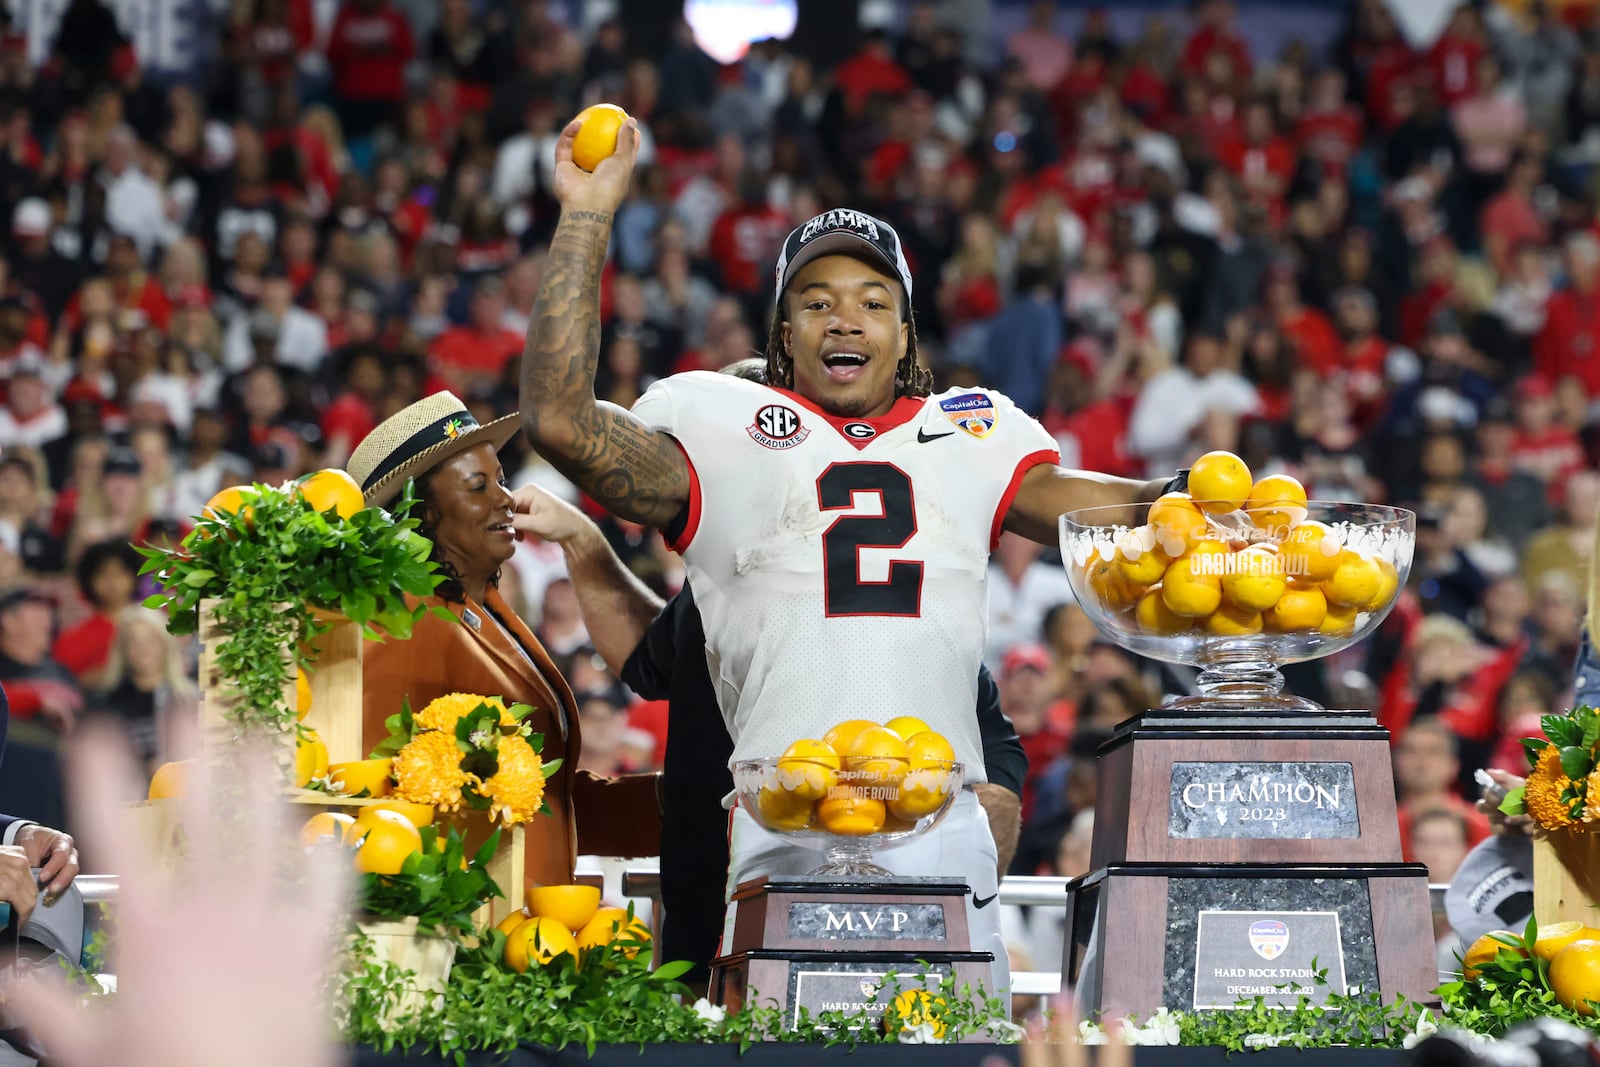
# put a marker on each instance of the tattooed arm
(633, 471)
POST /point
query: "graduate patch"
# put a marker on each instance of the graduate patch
(973, 412)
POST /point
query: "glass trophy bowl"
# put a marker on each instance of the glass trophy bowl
(847, 812)
(1237, 594)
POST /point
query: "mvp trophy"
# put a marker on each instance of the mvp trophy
(827, 939)
(1244, 839)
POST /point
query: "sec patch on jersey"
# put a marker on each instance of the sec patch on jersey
(777, 426)
(973, 412)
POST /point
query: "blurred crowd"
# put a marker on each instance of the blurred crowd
(1367, 263)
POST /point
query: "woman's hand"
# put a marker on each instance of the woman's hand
(604, 190)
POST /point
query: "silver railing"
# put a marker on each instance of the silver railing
(645, 883)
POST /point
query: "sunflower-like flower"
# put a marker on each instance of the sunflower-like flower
(1542, 793)
(1591, 804)
(428, 770)
(444, 712)
(516, 790)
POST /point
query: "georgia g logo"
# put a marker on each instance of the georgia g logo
(777, 426)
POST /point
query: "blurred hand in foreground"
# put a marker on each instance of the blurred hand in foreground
(217, 960)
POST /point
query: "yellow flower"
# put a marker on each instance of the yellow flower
(1591, 806)
(428, 770)
(1542, 794)
(444, 712)
(516, 790)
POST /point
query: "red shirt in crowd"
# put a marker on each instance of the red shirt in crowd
(1145, 93)
(1567, 344)
(744, 240)
(1331, 137)
(1507, 221)
(866, 74)
(1550, 456)
(1453, 62)
(467, 352)
(1392, 64)
(85, 648)
(1208, 39)
(1265, 169)
(142, 293)
(1314, 338)
(1092, 438)
(349, 418)
(369, 50)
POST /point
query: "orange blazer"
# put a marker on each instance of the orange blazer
(471, 654)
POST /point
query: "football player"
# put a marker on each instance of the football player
(836, 522)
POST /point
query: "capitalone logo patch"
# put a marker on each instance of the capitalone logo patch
(1269, 938)
(777, 426)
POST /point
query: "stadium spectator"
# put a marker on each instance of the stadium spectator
(36, 685)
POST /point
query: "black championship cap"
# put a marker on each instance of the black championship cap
(843, 232)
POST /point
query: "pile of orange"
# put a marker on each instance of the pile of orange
(381, 836)
(330, 490)
(1570, 948)
(861, 778)
(566, 919)
(1236, 556)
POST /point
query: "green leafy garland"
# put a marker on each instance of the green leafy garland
(270, 566)
(610, 998)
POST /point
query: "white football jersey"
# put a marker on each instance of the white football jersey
(839, 564)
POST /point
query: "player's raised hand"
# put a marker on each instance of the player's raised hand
(547, 517)
(604, 189)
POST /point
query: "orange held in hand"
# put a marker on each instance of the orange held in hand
(597, 138)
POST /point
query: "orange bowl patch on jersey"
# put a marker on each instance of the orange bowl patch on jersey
(973, 412)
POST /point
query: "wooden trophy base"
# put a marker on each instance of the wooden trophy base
(1190, 937)
(833, 980)
(1204, 787)
(824, 942)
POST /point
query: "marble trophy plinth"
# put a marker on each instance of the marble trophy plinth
(1236, 854)
(824, 942)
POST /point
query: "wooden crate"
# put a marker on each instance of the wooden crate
(336, 686)
(1566, 877)
(336, 715)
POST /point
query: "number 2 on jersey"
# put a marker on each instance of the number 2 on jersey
(842, 542)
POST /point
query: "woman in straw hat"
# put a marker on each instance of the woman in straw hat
(469, 514)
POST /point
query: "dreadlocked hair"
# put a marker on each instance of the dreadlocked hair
(910, 377)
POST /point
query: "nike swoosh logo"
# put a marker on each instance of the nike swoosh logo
(923, 437)
(983, 902)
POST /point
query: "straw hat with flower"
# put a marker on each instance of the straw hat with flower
(418, 438)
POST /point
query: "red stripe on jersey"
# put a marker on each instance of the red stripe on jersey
(1030, 461)
(692, 523)
(904, 409)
